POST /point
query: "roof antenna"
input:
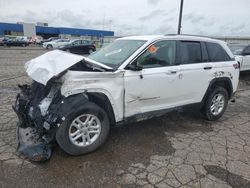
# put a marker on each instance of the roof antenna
(180, 18)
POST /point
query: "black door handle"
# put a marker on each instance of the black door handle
(207, 68)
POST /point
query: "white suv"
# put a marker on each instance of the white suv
(56, 43)
(242, 55)
(76, 100)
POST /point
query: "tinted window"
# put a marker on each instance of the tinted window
(116, 52)
(217, 53)
(247, 51)
(85, 42)
(158, 55)
(190, 52)
(75, 43)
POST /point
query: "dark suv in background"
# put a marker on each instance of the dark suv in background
(79, 47)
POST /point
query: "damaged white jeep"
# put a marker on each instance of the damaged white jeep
(75, 100)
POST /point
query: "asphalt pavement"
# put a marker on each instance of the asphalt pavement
(180, 149)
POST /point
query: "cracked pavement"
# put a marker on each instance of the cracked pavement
(180, 149)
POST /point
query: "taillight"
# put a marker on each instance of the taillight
(237, 65)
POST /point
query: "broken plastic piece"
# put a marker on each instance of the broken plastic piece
(31, 145)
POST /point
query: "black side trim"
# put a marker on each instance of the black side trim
(147, 115)
(103, 101)
(223, 81)
(61, 107)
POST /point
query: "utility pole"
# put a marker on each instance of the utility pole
(180, 18)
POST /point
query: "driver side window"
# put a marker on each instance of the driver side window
(160, 54)
(75, 43)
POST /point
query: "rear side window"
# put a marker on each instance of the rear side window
(190, 52)
(216, 53)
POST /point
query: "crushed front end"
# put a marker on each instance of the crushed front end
(40, 106)
(35, 107)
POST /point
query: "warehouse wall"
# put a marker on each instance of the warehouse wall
(10, 27)
(29, 30)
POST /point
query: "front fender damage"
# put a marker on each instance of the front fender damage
(41, 110)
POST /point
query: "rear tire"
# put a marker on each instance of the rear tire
(216, 104)
(74, 146)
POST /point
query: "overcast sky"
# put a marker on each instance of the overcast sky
(135, 17)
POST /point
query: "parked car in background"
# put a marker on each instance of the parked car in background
(242, 55)
(76, 99)
(14, 42)
(56, 43)
(23, 38)
(79, 47)
(36, 39)
(48, 40)
(1, 41)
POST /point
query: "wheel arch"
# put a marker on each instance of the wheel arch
(224, 82)
(49, 45)
(103, 101)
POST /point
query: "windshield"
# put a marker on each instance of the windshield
(117, 52)
(237, 49)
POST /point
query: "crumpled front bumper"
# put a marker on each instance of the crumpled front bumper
(31, 145)
(38, 119)
(30, 139)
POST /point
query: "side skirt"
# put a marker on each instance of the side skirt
(157, 113)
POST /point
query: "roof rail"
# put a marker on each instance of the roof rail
(191, 35)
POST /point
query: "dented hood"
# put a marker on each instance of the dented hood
(51, 64)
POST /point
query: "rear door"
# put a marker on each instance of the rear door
(223, 65)
(85, 47)
(195, 70)
(75, 46)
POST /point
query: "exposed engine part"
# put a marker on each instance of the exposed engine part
(44, 104)
(41, 110)
(34, 133)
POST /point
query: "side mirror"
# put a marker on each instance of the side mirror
(134, 67)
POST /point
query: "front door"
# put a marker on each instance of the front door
(156, 86)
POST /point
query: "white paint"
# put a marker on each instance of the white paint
(51, 64)
(108, 83)
(146, 90)
(244, 62)
(56, 43)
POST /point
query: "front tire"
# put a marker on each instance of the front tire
(84, 130)
(90, 51)
(49, 47)
(216, 104)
